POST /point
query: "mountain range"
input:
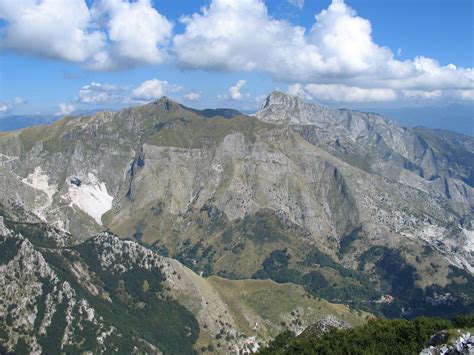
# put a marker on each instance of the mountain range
(223, 230)
(454, 117)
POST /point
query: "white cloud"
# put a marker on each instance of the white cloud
(19, 101)
(65, 109)
(137, 32)
(97, 93)
(192, 96)
(297, 3)
(352, 94)
(420, 94)
(51, 28)
(343, 93)
(241, 35)
(153, 89)
(228, 35)
(111, 35)
(298, 90)
(467, 95)
(234, 91)
(10, 105)
(338, 50)
(243, 101)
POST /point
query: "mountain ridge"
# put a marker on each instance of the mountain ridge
(338, 204)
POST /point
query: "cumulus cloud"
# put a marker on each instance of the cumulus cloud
(234, 91)
(192, 96)
(337, 54)
(467, 95)
(241, 35)
(97, 93)
(420, 94)
(153, 89)
(51, 28)
(109, 35)
(236, 98)
(298, 90)
(227, 35)
(338, 93)
(65, 109)
(137, 33)
(18, 101)
(10, 105)
(338, 51)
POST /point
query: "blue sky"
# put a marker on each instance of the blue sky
(116, 53)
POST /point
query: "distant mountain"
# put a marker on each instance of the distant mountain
(13, 122)
(455, 117)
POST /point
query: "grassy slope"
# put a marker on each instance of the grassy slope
(189, 132)
(270, 304)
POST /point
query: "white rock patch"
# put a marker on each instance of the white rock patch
(39, 181)
(91, 197)
(469, 246)
(431, 233)
(4, 159)
(461, 263)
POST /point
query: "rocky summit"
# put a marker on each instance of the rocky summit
(125, 231)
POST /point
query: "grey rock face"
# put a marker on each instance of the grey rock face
(438, 164)
(374, 143)
(241, 178)
(354, 126)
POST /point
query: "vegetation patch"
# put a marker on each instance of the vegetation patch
(378, 336)
(350, 286)
(198, 132)
(9, 249)
(263, 227)
(346, 241)
(399, 278)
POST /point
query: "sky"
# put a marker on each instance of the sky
(61, 56)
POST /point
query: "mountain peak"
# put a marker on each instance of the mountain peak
(280, 107)
(279, 98)
(166, 103)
